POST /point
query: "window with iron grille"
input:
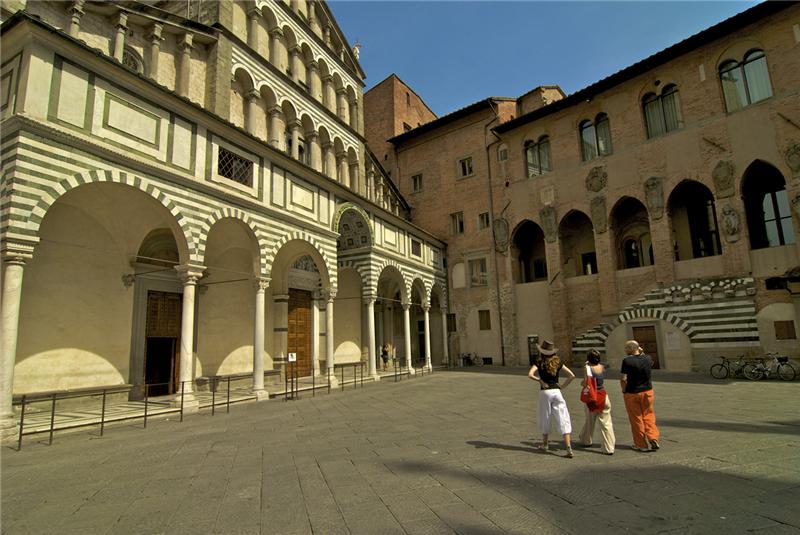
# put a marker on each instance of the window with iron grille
(235, 167)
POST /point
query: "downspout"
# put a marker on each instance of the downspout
(491, 216)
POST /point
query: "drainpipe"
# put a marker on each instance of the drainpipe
(491, 216)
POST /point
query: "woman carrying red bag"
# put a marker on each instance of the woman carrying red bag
(602, 416)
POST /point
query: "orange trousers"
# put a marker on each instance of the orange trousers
(642, 418)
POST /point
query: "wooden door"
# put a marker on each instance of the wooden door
(162, 341)
(299, 336)
(646, 336)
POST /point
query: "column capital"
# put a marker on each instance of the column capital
(185, 43)
(122, 21)
(369, 300)
(295, 125)
(276, 32)
(261, 284)
(18, 250)
(313, 65)
(155, 33)
(329, 294)
(252, 94)
(406, 306)
(311, 136)
(76, 8)
(254, 13)
(328, 145)
(341, 91)
(189, 273)
(352, 99)
(294, 49)
(275, 111)
(326, 79)
(426, 307)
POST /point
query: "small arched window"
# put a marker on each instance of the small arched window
(595, 137)
(662, 112)
(537, 156)
(747, 82)
(132, 60)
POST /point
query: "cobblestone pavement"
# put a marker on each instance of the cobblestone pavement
(450, 453)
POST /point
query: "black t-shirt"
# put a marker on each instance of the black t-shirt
(548, 378)
(637, 368)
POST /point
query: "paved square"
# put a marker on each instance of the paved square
(450, 453)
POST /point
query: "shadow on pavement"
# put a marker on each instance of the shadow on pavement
(780, 428)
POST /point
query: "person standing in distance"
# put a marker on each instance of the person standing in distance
(637, 389)
(552, 406)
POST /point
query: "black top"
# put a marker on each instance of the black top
(637, 368)
(599, 377)
(550, 381)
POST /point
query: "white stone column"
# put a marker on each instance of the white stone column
(75, 11)
(253, 17)
(189, 275)
(407, 333)
(370, 301)
(154, 37)
(313, 22)
(354, 113)
(185, 70)
(445, 339)
(355, 178)
(426, 308)
(277, 128)
(370, 185)
(328, 93)
(13, 268)
(294, 128)
(314, 152)
(329, 160)
(258, 340)
(296, 63)
(251, 99)
(380, 326)
(314, 81)
(315, 333)
(329, 345)
(121, 28)
(276, 48)
(341, 163)
(341, 104)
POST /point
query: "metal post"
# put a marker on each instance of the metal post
(229, 395)
(329, 380)
(297, 382)
(342, 378)
(21, 423)
(286, 382)
(103, 414)
(362, 375)
(182, 385)
(213, 395)
(313, 380)
(52, 418)
(146, 391)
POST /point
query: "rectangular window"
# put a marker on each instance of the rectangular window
(416, 248)
(451, 323)
(436, 258)
(457, 223)
(484, 320)
(234, 167)
(416, 183)
(784, 330)
(478, 275)
(465, 167)
(483, 221)
(589, 263)
(502, 154)
(408, 99)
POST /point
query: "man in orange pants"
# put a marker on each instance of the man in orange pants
(637, 389)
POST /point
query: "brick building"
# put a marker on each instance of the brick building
(661, 203)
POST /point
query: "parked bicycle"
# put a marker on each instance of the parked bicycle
(471, 359)
(777, 365)
(728, 368)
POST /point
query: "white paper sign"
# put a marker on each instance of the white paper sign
(292, 357)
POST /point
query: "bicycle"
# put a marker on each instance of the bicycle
(777, 364)
(728, 367)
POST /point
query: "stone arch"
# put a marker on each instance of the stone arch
(650, 313)
(352, 206)
(630, 224)
(737, 51)
(418, 285)
(392, 266)
(438, 288)
(576, 239)
(326, 265)
(691, 210)
(234, 213)
(186, 238)
(529, 252)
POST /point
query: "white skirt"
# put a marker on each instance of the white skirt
(553, 407)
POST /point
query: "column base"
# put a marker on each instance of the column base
(9, 431)
(190, 403)
(411, 370)
(261, 395)
(334, 381)
(375, 377)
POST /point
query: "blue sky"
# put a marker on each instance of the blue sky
(455, 53)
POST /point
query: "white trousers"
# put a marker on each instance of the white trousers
(553, 407)
(606, 427)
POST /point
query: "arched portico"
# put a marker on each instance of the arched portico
(439, 337)
(392, 313)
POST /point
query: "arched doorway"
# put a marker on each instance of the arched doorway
(769, 216)
(389, 322)
(418, 301)
(438, 325)
(529, 259)
(693, 218)
(576, 236)
(99, 244)
(631, 227)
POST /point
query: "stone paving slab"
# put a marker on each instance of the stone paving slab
(454, 452)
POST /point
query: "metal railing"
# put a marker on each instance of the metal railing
(358, 367)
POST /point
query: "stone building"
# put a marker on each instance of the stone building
(186, 193)
(661, 203)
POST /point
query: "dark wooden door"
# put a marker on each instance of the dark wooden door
(162, 342)
(299, 336)
(646, 336)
